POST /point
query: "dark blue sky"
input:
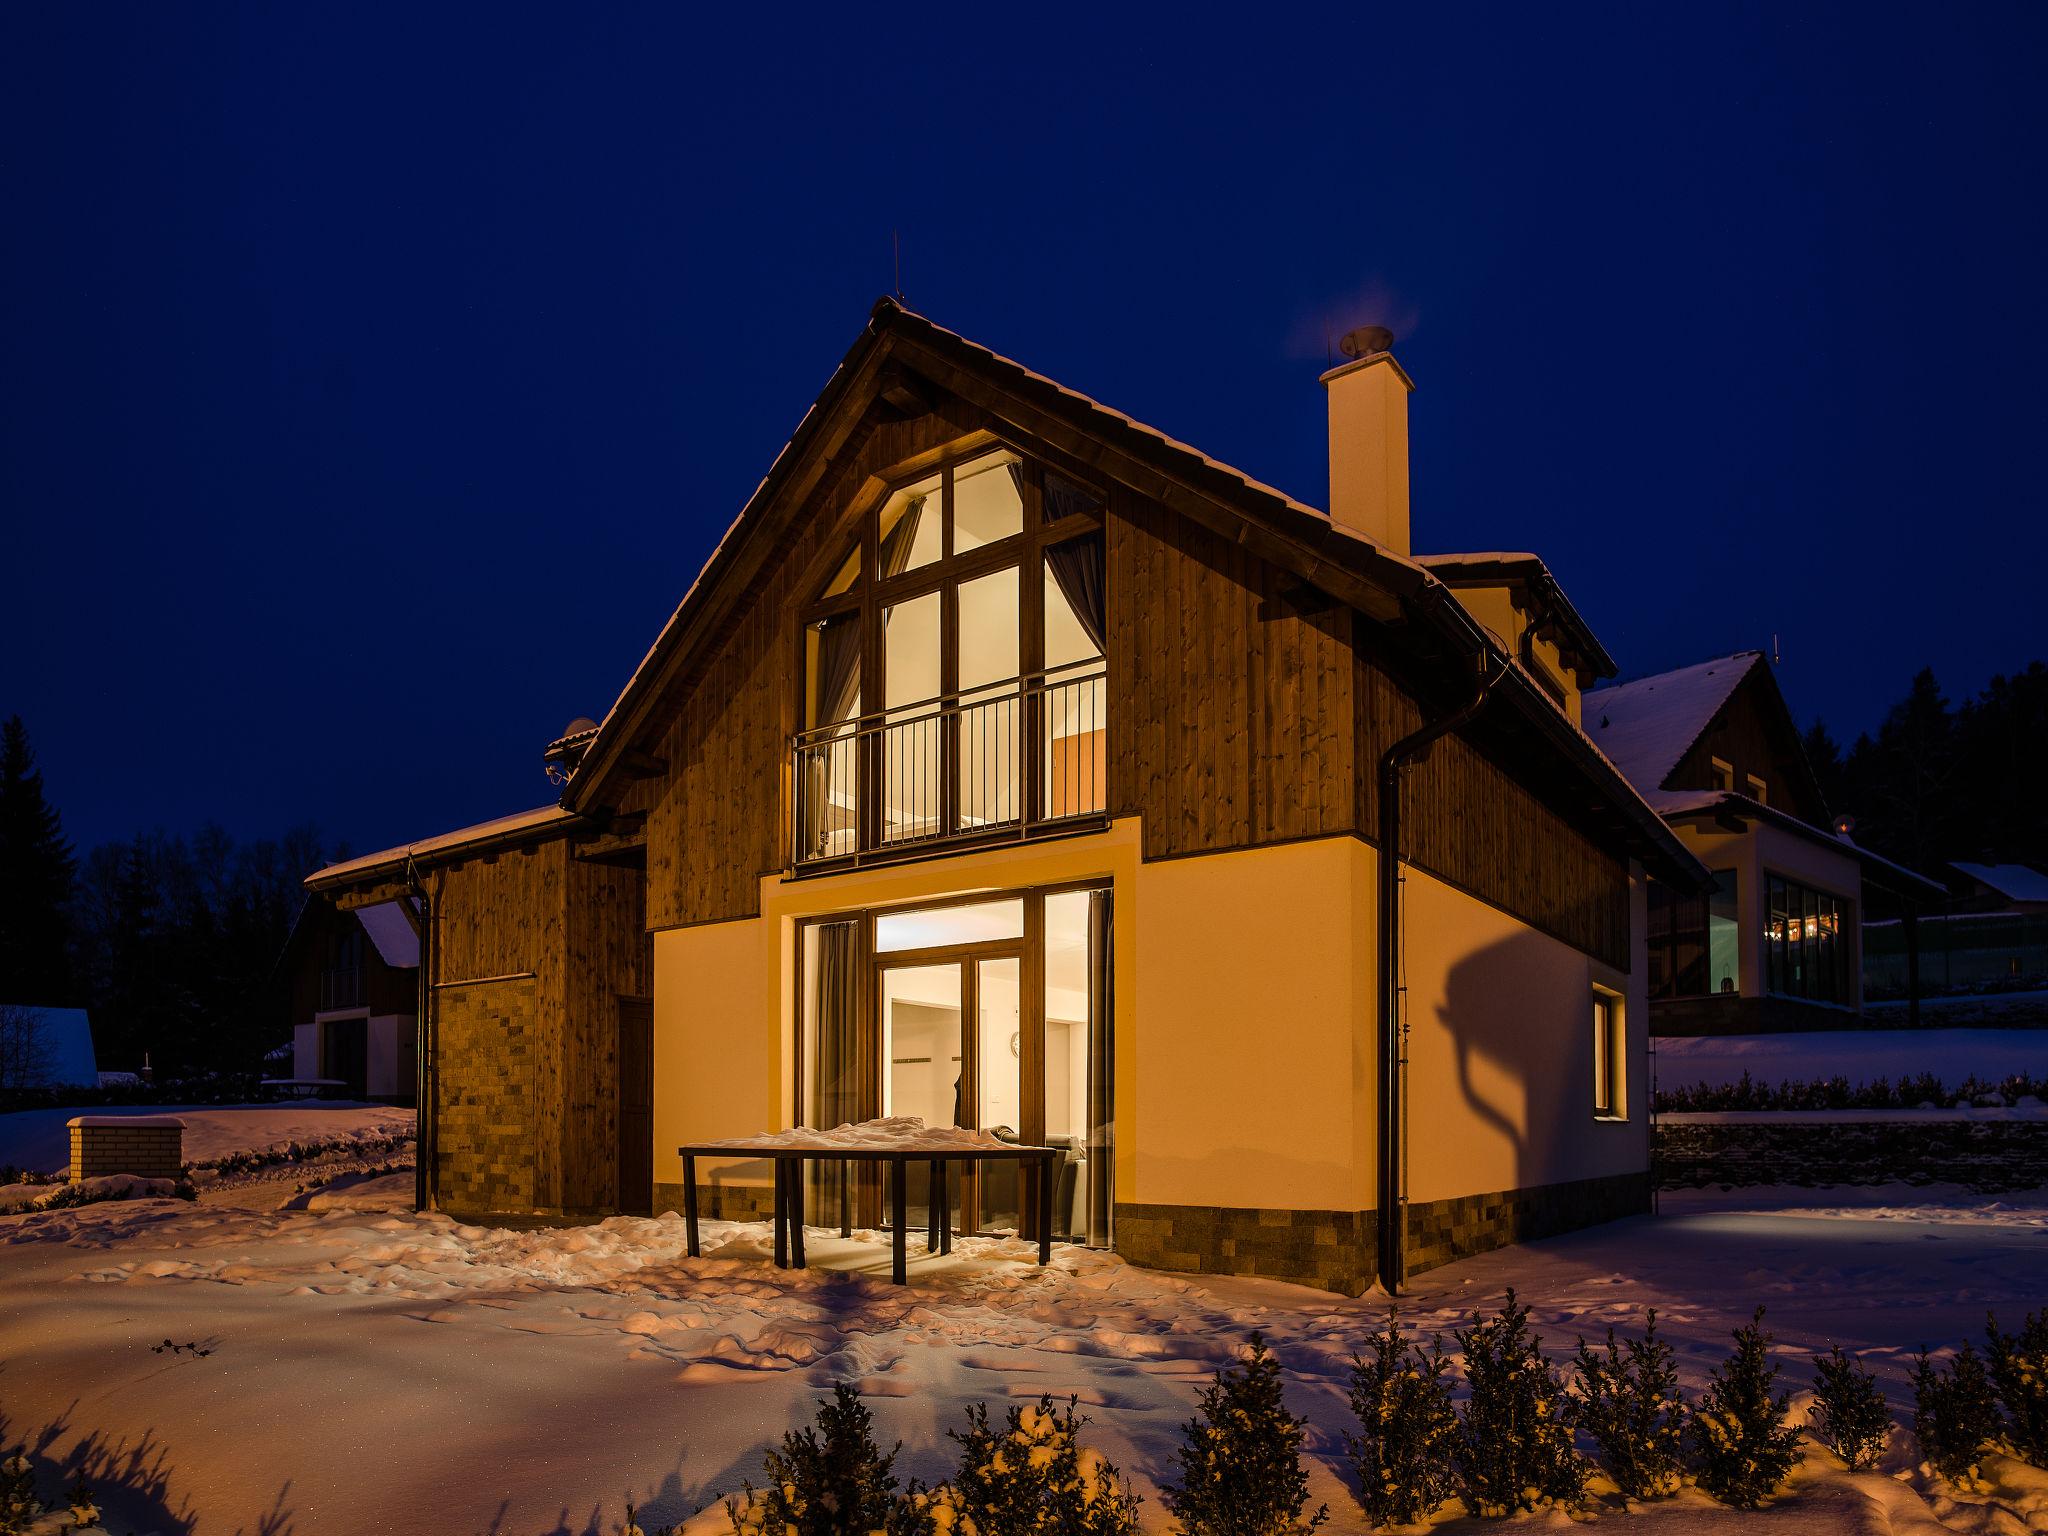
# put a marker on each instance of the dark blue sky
(373, 382)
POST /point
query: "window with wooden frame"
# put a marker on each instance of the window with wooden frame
(953, 680)
(1610, 1057)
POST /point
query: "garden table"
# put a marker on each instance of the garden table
(939, 1150)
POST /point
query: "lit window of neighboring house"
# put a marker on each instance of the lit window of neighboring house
(1724, 774)
(1806, 942)
(1610, 1058)
(1759, 791)
(1695, 950)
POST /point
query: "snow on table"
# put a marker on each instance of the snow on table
(899, 1135)
(497, 1376)
(37, 1138)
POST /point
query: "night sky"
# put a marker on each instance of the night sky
(373, 382)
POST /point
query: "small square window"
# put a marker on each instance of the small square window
(1759, 791)
(1724, 774)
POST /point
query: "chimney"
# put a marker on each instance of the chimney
(1369, 438)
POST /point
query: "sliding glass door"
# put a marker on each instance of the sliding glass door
(992, 1015)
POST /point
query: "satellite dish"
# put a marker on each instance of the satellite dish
(579, 725)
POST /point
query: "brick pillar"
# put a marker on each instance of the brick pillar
(148, 1146)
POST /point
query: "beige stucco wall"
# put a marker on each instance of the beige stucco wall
(1244, 1025)
(1496, 608)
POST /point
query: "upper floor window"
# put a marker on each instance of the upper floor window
(1759, 791)
(953, 663)
(1724, 774)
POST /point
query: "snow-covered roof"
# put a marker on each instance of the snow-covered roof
(65, 1037)
(2015, 882)
(1674, 803)
(1646, 726)
(397, 941)
(1493, 566)
(504, 828)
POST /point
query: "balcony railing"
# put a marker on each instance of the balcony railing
(1014, 759)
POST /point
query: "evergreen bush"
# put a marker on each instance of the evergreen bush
(1745, 1448)
(1626, 1399)
(2019, 1369)
(1514, 1448)
(1954, 1415)
(1028, 1478)
(823, 1481)
(1849, 1416)
(1407, 1428)
(1239, 1463)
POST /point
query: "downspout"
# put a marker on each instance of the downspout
(1392, 1219)
(423, 1051)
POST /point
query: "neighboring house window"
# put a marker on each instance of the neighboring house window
(1695, 941)
(1610, 1057)
(1724, 774)
(953, 664)
(1806, 942)
(1759, 791)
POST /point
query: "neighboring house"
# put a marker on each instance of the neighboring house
(1776, 944)
(352, 979)
(46, 1048)
(1011, 764)
(1991, 937)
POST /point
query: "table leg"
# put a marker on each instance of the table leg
(796, 1211)
(899, 1210)
(1045, 1210)
(934, 1203)
(845, 1199)
(690, 1201)
(781, 1206)
(945, 1206)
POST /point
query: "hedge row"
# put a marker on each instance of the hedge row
(1922, 1091)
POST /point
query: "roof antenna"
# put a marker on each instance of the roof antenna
(896, 243)
(1777, 659)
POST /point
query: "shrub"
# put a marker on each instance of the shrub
(822, 1480)
(1744, 1446)
(22, 1511)
(1514, 1448)
(2019, 1369)
(1626, 1398)
(1240, 1462)
(1849, 1415)
(1954, 1415)
(1028, 1478)
(1407, 1428)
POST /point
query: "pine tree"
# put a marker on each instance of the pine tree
(1849, 1416)
(1745, 1447)
(1240, 1462)
(1514, 1447)
(36, 873)
(2019, 1367)
(1627, 1399)
(823, 1481)
(1407, 1428)
(1954, 1415)
(1030, 1477)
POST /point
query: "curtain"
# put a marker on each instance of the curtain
(1076, 564)
(830, 759)
(897, 545)
(1063, 498)
(1101, 1071)
(842, 1068)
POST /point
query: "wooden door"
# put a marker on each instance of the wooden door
(636, 1106)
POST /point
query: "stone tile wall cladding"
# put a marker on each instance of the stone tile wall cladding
(1989, 1156)
(1333, 1250)
(724, 1201)
(144, 1146)
(484, 1144)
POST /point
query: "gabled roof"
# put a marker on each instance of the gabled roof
(2015, 882)
(1520, 568)
(1646, 727)
(1290, 534)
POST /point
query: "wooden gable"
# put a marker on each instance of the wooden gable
(1753, 732)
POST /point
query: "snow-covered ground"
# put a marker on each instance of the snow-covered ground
(1857, 1054)
(370, 1370)
(37, 1140)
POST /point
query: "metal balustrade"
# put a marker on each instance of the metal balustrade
(1015, 758)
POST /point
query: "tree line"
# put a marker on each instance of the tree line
(171, 942)
(1938, 782)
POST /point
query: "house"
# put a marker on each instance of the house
(1015, 765)
(2019, 888)
(1991, 937)
(1776, 944)
(351, 980)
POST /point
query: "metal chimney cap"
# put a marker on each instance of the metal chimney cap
(1366, 340)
